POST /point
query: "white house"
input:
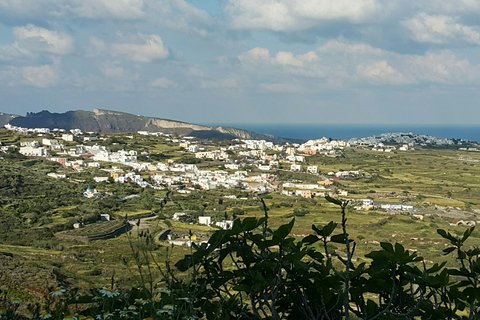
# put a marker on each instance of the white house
(225, 224)
(67, 137)
(205, 220)
(94, 164)
(296, 167)
(193, 148)
(312, 169)
(34, 152)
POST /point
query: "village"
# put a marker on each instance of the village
(249, 165)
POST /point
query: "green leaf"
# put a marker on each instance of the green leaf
(283, 231)
(387, 246)
(249, 223)
(310, 239)
(326, 230)
(446, 235)
(399, 249)
(329, 228)
(436, 267)
(333, 200)
(467, 233)
(448, 250)
(339, 238)
(184, 264)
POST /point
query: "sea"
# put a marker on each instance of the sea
(348, 131)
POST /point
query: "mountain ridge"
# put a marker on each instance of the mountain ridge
(110, 121)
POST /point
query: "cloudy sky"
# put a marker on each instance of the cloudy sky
(239, 61)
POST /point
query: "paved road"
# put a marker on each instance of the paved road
(143, 225)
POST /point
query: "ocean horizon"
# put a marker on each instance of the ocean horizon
(348, 131)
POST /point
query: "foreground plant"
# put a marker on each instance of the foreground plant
(254, 272)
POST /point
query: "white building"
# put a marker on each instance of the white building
(206, 220)
(312, 169)
(296, 168)
(34, 152)
(92, 194)
(67, 137)
(225, 224)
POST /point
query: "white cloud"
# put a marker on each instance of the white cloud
(308, 57)
(440, 29)
(288, 59)
(152, 49)
(90, 9)
(352, 10)
(259, 61)
(41, 76)
(336, 46)
(36, 38)
(116, 9)
(252, 14)
(443, 67)
(25, 8)
(358, 63)
(13, 52)
(163, 83)
(382, 73)
(295, 15)
(180, 15)
(255, 54)
(282, 58)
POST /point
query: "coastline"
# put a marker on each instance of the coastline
(348, 131)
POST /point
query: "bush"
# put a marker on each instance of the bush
(300, 212)
(238, 212)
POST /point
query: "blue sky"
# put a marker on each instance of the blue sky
(239, 61)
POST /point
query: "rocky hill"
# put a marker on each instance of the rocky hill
(6, 118)
(106, 121)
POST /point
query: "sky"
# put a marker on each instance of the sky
(245, 61)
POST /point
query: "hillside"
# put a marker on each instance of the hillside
(106, 121)
(6, 118)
